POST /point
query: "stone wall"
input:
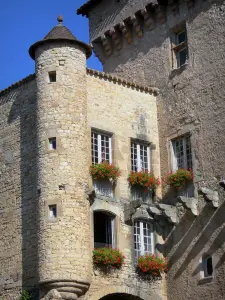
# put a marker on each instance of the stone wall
(125, 280)
(18, 209)
(125, 112)
(191, 239)
(191, 101)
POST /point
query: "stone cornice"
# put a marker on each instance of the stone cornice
(118, 80)
(135, 26)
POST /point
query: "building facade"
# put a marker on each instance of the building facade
(157, 107)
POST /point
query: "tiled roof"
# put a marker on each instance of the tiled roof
(60, 33)
(83, 10)
(17, 84)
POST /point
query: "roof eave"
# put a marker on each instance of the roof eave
(85, 8)
(32, 49)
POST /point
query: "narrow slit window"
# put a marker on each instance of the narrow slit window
(207, 266)
(52, 211)
(52, 143)
(52, 76)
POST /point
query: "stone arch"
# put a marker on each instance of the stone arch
(100, 205)
(124, 290)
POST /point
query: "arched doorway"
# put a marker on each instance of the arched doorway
(120, 296)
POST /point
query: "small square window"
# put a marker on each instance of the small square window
(52, 143)
(52, 211)
(52, 76)
(179, 46)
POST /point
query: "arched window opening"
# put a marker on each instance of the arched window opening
(143, 238)
(104, 230)
(207, 266)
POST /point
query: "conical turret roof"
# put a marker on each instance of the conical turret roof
(59, 33)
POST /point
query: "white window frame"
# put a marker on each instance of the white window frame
(138, 163)
(174, 163)
(99, 140)
(141, 238)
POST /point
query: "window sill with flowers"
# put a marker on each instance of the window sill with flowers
(152, 265)
(143, 185)
(181, 181)
(107, 258)
(104, 177)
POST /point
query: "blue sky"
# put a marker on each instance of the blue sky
(24, 22)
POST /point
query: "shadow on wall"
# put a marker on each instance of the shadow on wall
(24, 109)
(197, 231)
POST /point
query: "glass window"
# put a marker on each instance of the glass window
(52, 211)
(143, 238)
(103, 230)
(101, 148)
(52, 143)
(182, 153)
(179, 46)
(140, 157)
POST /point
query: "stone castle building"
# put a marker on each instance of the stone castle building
(158, 106)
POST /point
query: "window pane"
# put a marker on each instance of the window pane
(179, 153)
(94, 147)
(182, 57)
(188, 152)
(144, 157)
(137, 239)
(147, 237)
(181, 37)
(105, 148)
(134, 163)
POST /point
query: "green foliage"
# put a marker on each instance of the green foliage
(108, 257)
(152, 264)
(25, 295)
(104, 171)
(179, 178)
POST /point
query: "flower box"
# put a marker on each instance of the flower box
(108, 257)
(152, 265)
(142, 184)
(180, 178)
(105, 171)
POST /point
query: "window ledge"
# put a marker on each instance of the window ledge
(178, 71)
(205, 280)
